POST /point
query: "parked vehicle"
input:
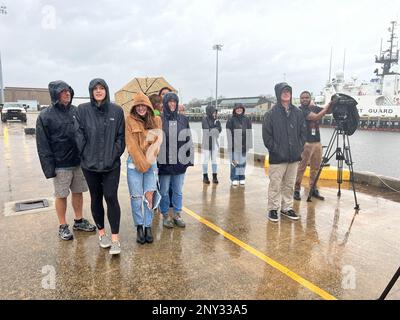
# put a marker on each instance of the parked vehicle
(13, 111)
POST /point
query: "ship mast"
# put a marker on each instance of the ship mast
(389, 56)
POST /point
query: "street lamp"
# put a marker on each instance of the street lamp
(3, 11)
(217, 47)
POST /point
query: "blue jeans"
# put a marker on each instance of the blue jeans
(139, 183)
(176, 183)
(207, 154)
(238, 171)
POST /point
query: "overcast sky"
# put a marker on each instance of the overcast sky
(263, 42)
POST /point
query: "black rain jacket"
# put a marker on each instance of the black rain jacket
(55, 133)
(100, 132)
(211, 130)
(284, 134)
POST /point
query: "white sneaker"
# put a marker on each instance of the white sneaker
(115, 248)
(235, 183)
(104, 241)
(242, 182)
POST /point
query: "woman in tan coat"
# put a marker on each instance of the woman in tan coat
(143, 137)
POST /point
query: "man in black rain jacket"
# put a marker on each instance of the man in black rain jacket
(284, 134)
(59, 156)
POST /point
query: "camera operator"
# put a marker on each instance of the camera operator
(312, 152)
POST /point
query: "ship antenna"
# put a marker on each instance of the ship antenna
(330, 66)
(344, 59)
(388, 57)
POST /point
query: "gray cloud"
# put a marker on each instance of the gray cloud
(263, 40)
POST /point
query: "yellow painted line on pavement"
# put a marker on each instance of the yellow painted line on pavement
(305, 283)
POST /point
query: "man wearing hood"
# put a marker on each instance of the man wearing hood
(176, 155)
(240, 139)
(284, 134)
(59, 156)
(211, 130)
(100, 139)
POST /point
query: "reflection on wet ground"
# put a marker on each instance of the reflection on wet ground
(331, 250)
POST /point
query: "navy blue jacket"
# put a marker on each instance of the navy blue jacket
(239, 131)
(176, 152)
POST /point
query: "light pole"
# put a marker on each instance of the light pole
(1, 84)
(217, 47)
(3, 11)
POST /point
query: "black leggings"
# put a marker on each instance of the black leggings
(104, 184)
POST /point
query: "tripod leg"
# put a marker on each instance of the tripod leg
(349, 162)
(390, 285)
(339, 177)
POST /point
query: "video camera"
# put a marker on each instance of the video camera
(345, 113)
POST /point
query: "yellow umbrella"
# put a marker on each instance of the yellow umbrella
(148, 85)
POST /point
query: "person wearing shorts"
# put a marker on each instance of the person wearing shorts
(59, 157)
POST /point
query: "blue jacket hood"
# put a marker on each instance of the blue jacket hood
(166, 110)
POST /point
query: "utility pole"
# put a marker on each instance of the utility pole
(330, 66)
(217, 47)
(3, 11)
(1, 84)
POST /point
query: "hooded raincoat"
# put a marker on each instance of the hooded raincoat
(55, 133)
(100, 134)
(284, 132)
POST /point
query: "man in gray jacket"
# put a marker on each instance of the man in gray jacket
(284, 134)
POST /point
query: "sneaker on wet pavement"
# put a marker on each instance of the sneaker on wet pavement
(104, 241)
(168, 222)
(273, 216)
(179, 221)
(84, 225)
(290, 214)
(115, 247)
(64, 233)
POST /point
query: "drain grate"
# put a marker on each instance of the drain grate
(31, 205)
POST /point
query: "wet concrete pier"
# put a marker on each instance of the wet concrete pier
(228, 250)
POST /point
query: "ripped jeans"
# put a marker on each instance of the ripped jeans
(139, 183)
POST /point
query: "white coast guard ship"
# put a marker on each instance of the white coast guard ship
(381, 96)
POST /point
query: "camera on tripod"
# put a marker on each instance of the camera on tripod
(346, 119)
(345, 113)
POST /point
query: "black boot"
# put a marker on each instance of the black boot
(316, 194)
(148, 235)
(215, 179)
(205, 178)
(140, 235)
